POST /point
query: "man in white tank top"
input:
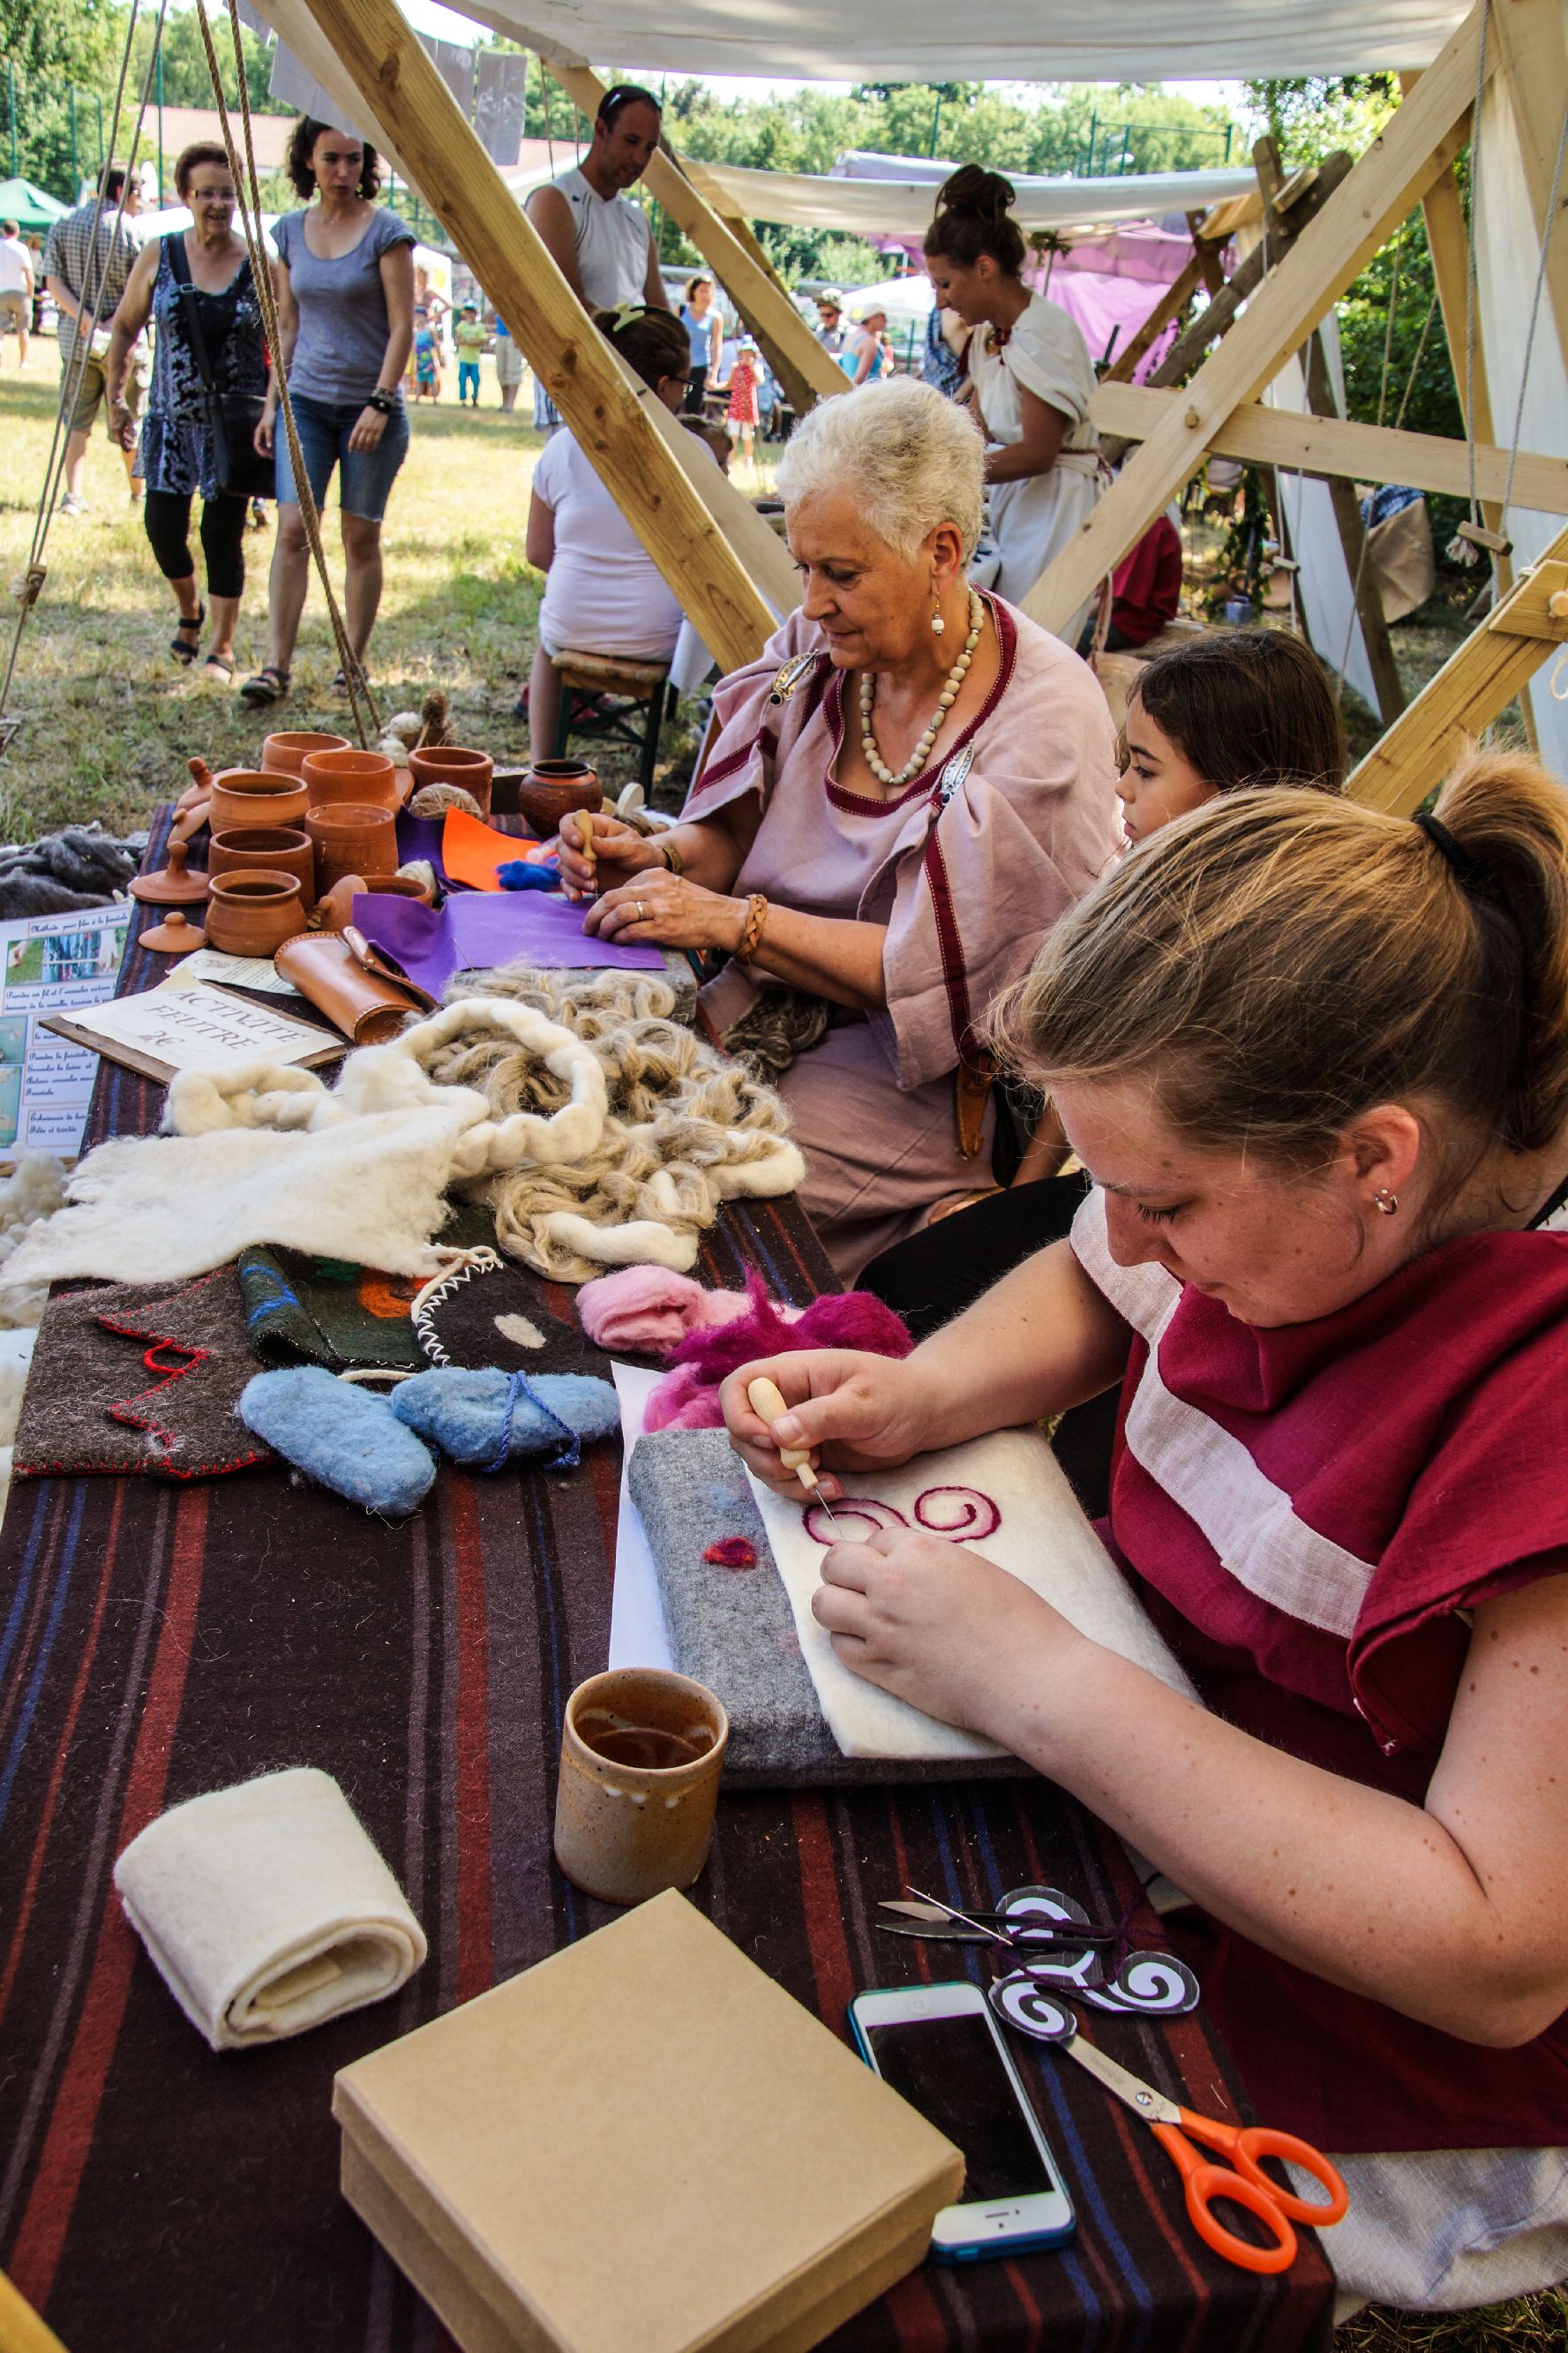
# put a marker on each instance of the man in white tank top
(601, 241)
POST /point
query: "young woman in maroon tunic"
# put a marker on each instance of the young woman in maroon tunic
(1317, 1061)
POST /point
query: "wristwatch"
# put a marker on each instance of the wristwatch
(383, 403)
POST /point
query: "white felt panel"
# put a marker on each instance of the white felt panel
(1010, 1490)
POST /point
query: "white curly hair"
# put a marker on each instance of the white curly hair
(910, 455)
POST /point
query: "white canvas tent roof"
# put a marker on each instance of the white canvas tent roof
(992, 40)
(900, 207)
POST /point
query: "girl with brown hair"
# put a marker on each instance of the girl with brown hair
(1031, 380)
(1317, 1060)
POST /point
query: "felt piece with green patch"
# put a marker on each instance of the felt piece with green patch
(323, 1310)
(127, 1377)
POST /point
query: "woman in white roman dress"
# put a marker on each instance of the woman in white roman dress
(1030, 378)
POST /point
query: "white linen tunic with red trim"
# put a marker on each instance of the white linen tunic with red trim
(1311, 1511)
(968, 870)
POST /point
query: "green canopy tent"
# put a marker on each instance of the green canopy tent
(28, 207)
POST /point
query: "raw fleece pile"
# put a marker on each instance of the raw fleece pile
(34, 1192)
(688, 1397)
(684, 1129)
(360, 1172)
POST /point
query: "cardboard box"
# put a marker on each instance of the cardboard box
(641, 2146)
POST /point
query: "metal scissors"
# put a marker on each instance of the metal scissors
(1051, 1936)
(1023, 2004)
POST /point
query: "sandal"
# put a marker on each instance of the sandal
(270, 684)
(184, 652)
(219, 666)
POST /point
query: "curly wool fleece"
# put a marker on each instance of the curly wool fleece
(685, 1129)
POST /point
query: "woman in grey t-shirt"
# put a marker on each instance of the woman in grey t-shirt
(344, 281)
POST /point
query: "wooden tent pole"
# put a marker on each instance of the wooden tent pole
(806, 373)
(596, 393)
(1415, 148)
(1337, 445)
(1477, 682)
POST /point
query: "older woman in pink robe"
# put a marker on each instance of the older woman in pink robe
(900, 800)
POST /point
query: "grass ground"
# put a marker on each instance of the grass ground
(110, 719)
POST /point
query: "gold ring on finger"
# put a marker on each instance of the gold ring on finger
(642, 913)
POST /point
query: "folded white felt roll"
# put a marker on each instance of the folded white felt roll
(1006, 1496)
(266, 1908)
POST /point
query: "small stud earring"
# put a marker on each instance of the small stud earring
(938, 624)
(1387, 1201)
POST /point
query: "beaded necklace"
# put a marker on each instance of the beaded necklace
(945, 700)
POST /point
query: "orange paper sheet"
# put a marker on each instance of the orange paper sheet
(473, 852)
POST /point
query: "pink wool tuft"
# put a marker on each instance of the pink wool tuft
(648, 1311)
(688, 1397)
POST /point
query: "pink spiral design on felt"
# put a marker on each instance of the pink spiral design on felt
(961, 1514)
(821, 1530)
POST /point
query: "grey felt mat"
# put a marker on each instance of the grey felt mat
(732, 1629)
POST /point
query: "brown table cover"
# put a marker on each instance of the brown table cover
(157, 1642)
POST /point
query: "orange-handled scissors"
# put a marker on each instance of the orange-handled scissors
(1243, 2181)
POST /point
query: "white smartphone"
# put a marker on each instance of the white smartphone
(941, 2048)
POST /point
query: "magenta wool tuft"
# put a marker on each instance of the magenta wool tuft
(688, 1397)
(732, 1552)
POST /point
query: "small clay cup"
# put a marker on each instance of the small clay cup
(334, 908)
(287, 849)
(252, 913)
(365, 779)
(626, 1832)
(551, 788)
(451, 764)
(252, 797)
(352, 837)
(287, 752)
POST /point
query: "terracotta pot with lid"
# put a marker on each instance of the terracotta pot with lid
(367, 779)
(251, 796)
(351, 838)
(288, 750)
(451, 763)
(553, 787)
(254, 911)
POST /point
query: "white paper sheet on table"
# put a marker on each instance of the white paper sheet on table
(638, 1636)
(1025, 1519)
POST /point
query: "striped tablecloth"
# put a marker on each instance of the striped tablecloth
(156, 1642)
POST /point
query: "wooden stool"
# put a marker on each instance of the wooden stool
(642, 685)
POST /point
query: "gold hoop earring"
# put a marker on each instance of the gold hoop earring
(1387, 1201)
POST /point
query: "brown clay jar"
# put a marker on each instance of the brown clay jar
(252, 912)
(287, 849)
(286, 751)
(551, 788)
(451, 764)
(252, 797)
(351, 838)
(365, 779)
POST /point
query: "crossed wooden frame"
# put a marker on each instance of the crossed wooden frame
(729, 569)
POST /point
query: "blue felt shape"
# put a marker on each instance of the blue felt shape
(482, 1418)
(343, 1436)
(517, 874)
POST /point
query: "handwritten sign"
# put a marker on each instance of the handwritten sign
(201, 1028)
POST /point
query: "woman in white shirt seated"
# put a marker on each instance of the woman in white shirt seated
(1030, 378)
(604, 593)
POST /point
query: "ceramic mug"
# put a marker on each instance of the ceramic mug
(286, 751)
(351, 840)
(641, 1753)
(453, 764)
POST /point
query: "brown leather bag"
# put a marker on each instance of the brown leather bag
(352, 982)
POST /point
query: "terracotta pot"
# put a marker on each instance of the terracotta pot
(367, 779)
(287, 752)
(351, 838)
(252, 797)
(252, 912)
(551, 788)
(450, 765)
(285, 848)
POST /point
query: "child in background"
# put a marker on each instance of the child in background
(470, 340)
(744, 409)
(427, 363)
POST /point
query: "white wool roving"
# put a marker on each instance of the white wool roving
(360, 1171)
(36, 1191)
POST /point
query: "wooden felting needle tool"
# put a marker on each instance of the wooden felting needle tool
(767, 1403)
(590, 854)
